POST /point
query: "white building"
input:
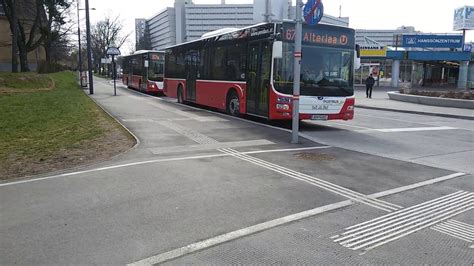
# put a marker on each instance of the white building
(186, 21)
(383, 37)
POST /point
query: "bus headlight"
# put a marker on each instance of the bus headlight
(283, 100)
(283, 106)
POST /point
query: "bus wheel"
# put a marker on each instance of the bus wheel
(233, 103)
(180, 94)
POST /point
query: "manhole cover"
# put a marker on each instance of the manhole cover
(314, 156)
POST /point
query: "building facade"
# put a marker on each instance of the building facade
(186, 21)
(34, 57)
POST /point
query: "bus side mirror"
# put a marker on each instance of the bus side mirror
(357, 63)
(277, 49)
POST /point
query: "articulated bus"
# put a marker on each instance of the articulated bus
(250, 71)
(143, 71)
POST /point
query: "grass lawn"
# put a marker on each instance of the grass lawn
(47, 130)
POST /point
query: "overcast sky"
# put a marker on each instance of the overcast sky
(425, 15)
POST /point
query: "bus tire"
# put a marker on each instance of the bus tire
(180, 94)
(233, 103)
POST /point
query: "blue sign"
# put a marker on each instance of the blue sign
(432, 41)
(467, 48)
(313, 12)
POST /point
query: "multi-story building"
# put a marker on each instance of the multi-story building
(34, 57)
(383, 37)
(186, 21)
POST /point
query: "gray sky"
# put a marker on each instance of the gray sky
(425, 15)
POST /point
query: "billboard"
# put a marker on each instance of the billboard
(432, 41)
(464, 18)
(380, 51)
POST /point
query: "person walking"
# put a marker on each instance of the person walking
(369, 84)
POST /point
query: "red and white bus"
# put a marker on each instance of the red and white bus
(143, 71)
(250, 71)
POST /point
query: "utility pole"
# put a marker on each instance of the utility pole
(268, 9)
(297, 70)
(79, 40)
(89, 50)
(14, 38)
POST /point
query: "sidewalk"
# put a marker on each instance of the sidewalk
(380, 101)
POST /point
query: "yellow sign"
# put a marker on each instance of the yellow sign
(373, 51)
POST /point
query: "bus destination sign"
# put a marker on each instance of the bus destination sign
(321, 36)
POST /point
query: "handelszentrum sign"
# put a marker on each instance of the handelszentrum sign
(432, 41)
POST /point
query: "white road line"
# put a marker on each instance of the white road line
(412, 209)
(412, 129)
(403, 216)
(454, 231)
(420, 184)
(447, 232)
(463, 225)
(212, 146)
(455, 226)
(424, 225)
(401, 224)
(353, 195)
(203, 139)
(214, 241)
(155, 161)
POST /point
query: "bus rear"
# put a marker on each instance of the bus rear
(144, 71)
(327, 69)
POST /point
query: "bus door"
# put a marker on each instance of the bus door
(191, 63)
(258, 77)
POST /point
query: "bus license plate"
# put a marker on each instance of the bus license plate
(319, 117)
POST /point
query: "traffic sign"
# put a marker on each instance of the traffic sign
(113, 51)
(313, 12)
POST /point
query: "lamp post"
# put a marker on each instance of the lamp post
(89, 50)
(297, 70)
(79, 40)
(14, 38)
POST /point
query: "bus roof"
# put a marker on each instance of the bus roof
(215, 33)
(223, 31)
(147, 51)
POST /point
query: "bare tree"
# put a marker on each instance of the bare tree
(55, 28)
(105, 33)
(28, 18)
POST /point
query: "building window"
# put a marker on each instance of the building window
(2, 12)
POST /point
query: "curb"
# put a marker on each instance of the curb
(432, 101)
(416, 112)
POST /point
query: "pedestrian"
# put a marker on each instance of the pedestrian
(369, 84)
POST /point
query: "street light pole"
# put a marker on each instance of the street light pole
(297, 70)
(79, 39)
(89, 50)
(14, 38)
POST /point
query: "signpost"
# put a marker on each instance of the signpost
(113, 51)
(313, 12)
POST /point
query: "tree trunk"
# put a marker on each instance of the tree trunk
(23, 57)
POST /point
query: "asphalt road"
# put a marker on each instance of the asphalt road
(206, 188)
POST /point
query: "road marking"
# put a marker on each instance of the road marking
(412, 129)
(390, 227)
(342, 191)
(456, 229)
(220, 239)
(211, 146)
(156, 161)
(328, 186)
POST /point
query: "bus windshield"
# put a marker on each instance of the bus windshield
(324, 71)
(156, 67)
